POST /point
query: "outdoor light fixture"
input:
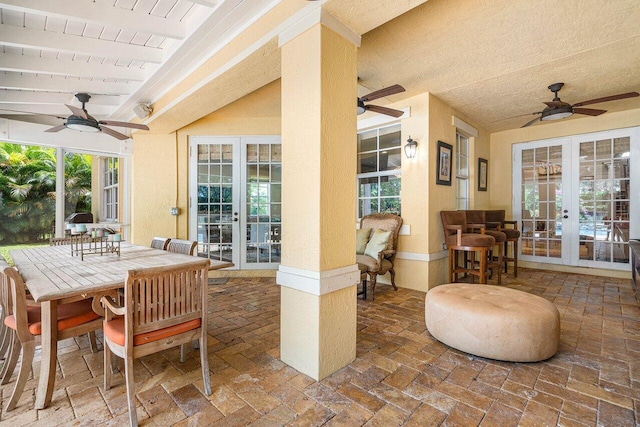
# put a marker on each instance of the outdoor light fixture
(142, 111)
(410, 148)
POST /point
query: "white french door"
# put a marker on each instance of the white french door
(235, 199)
(572, 197)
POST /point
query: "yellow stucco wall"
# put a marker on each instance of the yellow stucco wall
(153, 187)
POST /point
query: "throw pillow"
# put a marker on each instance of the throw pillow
(377, 243)
(362, 237)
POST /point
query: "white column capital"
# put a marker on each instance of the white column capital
(317, 15)
(318, 282)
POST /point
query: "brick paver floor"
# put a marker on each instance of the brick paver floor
(401, 375)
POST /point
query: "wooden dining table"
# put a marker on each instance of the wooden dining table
(55, 276)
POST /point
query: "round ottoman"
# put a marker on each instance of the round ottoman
(493, 322)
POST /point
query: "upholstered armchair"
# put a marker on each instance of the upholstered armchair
(376, 248)
(457, 238)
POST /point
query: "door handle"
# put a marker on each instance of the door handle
(235, 219)
(565, 216)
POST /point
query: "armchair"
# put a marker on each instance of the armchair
(379, 253)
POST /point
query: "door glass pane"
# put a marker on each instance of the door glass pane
(542, 202)
(263, 217)
(604, 200)
(214, 201)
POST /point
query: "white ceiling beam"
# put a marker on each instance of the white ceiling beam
(208, 3)
(12, 35)
(34, 64)
(100, 14)
(60, 84)
(98, 111)
(24, 97)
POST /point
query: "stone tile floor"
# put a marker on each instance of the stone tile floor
(401, 376)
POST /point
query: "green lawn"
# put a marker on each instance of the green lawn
(4, 250)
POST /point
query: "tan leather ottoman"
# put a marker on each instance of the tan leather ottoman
(493, 322)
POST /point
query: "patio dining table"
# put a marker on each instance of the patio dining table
(54, 276)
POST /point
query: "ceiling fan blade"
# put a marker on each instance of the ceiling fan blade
(383, 92)
(124, 124)
(514, 117)
(530, 123)
(114, 133)
(607, 98)
(78, 112)
(384, 110)
(589, 111)
(556, 104)
(56, 128)
(35, 114)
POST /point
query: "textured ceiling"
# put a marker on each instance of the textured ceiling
(494, 60)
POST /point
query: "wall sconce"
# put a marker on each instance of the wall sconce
(410, 148)
(142, 111)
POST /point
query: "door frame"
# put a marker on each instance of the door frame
(239, 190)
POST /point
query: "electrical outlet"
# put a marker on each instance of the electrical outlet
(444, 246)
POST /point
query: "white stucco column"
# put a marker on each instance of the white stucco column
(318, 274)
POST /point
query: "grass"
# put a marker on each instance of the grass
(4, 250)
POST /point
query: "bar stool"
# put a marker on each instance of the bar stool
(457, 238)
(476, 219)
(496, 219)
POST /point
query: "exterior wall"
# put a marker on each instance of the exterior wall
(153, 187)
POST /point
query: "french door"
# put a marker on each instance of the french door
(572, 197)
(235, 199)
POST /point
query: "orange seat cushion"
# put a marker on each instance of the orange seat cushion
(69, 316)
(114, 329)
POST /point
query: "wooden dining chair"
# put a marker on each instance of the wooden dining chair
(164, 307)
(185, 247)
(160, 243)
(6, 334)
(74, 318)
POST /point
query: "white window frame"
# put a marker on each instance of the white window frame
(462, 200)
(110, 176)
(379, 174)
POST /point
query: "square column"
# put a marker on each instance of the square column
(318, 274)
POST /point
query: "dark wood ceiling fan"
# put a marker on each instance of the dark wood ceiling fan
(391, 90)
(558, 109)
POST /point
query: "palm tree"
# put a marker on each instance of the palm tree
(28, 190)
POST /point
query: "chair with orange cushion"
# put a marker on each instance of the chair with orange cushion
(75, 318)
(164, 307)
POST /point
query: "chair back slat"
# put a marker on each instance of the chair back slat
(165, 296)
(160, 243)
(185, 247)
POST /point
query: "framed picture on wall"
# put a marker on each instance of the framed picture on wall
(483, 166)
(443, 167)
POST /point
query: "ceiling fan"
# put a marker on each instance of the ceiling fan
(80, 120)
(391, 90)
(558, 109)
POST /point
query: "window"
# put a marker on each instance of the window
(110, 188)
(379, 157)
(462, 172)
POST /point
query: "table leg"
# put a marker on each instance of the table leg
(49, 353)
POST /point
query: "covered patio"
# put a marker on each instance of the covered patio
(401, 375)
